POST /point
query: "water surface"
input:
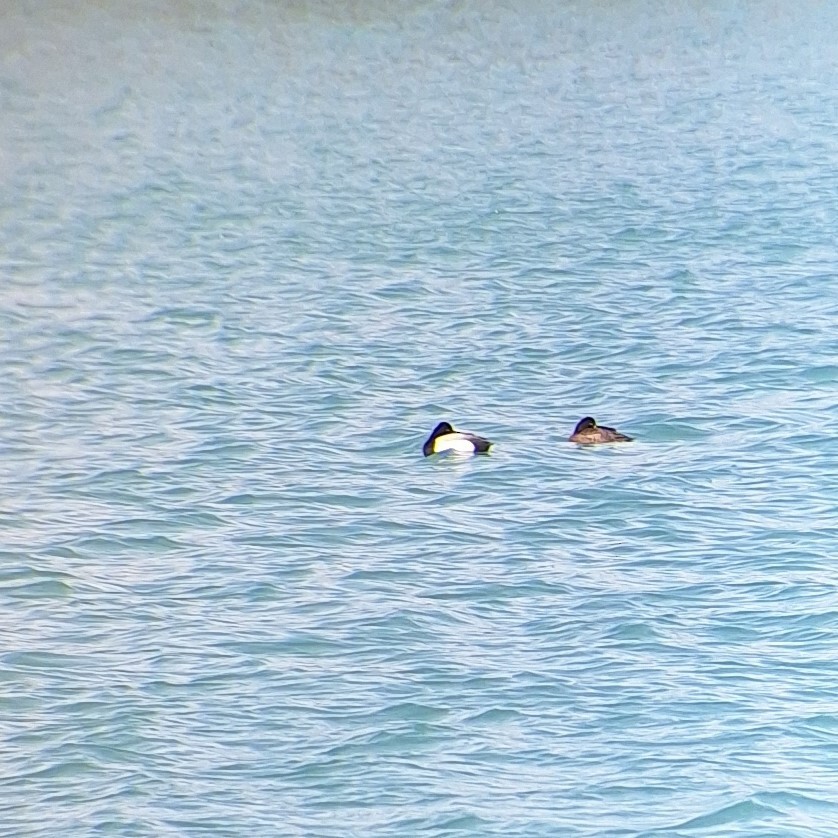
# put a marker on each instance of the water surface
(252, 254)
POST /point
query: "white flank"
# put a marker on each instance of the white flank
(456, 442)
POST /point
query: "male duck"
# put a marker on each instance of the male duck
(587, 432)
(445, 438)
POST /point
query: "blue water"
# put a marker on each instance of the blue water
(250, 254)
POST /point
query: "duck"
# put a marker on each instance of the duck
(587, 432)
(445, 438)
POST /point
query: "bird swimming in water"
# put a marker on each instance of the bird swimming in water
(445, 438)
(587, 432)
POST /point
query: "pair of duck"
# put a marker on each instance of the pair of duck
(445, 438)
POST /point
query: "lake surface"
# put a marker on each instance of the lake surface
(250, 254)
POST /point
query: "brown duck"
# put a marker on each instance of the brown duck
(587, 432)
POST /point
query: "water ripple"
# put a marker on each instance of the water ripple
(251, 256)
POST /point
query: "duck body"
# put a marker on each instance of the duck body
(445, 438)
(587, 432)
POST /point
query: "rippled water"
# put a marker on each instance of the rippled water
(252, 253)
